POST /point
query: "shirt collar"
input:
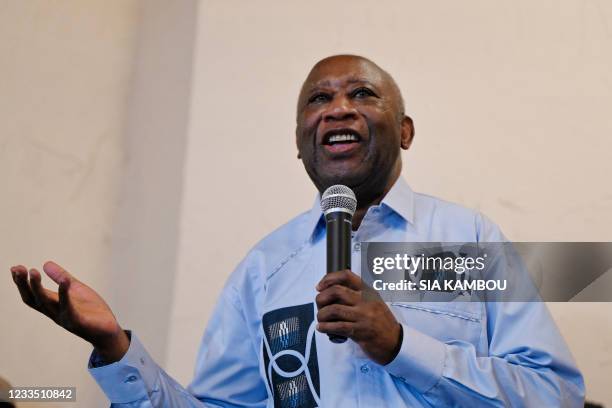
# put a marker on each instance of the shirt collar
(314, 218)
(400, 199)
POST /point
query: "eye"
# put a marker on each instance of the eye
(319, 98)
(362, 93)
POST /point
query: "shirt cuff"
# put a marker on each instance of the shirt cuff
(420, 360)
(130, 379)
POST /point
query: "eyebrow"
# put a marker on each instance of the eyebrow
(326, 82)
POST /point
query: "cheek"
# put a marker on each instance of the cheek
(312, 117)
(306, 130)
(304, 143)
(377, 118)
(388, 129)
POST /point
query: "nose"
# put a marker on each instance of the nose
(339, 109)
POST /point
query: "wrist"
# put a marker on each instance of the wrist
(113, 349)
(399, 336)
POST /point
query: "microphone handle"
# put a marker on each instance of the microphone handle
(339, 225)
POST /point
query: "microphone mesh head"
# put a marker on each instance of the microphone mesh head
(339, 198)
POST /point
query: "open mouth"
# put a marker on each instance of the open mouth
(341, 140)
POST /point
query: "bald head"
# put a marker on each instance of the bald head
(372, 68)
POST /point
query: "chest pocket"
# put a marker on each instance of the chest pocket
(443, 321)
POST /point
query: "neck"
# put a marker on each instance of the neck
(362, 209)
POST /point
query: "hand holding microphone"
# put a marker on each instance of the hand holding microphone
(347, 307)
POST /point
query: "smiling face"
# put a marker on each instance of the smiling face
(351, 127)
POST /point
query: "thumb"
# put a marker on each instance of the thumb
(56, 272)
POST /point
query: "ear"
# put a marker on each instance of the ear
(407, 132)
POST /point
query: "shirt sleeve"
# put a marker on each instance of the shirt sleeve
(527, 363)
(226, 373)
(137, 381)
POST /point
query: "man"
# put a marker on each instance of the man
(266, 343)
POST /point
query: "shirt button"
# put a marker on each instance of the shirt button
(131, 379)
(365, 369)
(357, 247)
(142, 361)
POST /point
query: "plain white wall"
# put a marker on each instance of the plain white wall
(146, 226)
(65, 72)
(95, 103)
(511, 105)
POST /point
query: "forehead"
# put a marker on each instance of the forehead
(342, 71)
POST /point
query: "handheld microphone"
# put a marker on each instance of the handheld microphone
(338, 204)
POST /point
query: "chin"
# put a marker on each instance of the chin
(348, 178)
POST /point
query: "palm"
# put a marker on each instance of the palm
(76, 306)
(86, 314)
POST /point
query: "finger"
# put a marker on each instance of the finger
(47, 303)
(64, 300)
(56, 272)
(344, 278)
(17, 272)
(18, 269)
(37, 287)
(337, 313)
(337, 294)
(20, 277)
(346, 329)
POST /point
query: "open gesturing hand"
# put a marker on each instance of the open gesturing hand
(75, 307)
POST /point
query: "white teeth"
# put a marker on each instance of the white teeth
(342, 138)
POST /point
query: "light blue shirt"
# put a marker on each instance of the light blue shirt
(261, 347)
